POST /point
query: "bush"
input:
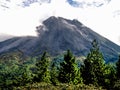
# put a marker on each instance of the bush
(60, 86)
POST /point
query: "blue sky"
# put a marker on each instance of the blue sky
(102, 16)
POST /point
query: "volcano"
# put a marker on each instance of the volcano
(56, 35)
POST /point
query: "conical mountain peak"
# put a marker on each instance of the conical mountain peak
(60, 19)
(58, 35)
(56, 23)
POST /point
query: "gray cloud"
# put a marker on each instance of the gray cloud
(85, 3)
(27, 3)
(6, 4)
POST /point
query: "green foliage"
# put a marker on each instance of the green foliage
(42, 71)
(117, 82)
(64, 72)
(12, 73)
(110, 76)
(69, 71)
(8, 73)
(60, 86)
(54, 74)
(25, 75)
(118, 68)
(93, 70)
(15, 55)
(117, 85)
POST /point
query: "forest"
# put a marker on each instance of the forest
(63, 72)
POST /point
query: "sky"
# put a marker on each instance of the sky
(20, 17)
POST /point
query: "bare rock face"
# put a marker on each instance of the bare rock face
(62, 34)
(57, 35)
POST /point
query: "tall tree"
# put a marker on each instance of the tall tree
(43, 74)
(94, 66)
(117, 82)
(110, 76)
(69, 71)
(54, 74)
(118, 68)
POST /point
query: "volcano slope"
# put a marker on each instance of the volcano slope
(56, 35)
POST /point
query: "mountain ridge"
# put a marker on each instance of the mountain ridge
(58, 34)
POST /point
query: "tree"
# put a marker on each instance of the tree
(94, 65)
(117, 82)
(110, 76)
(69, 71)
(24, 75)
(54, 74)
(42, 72)
(118, 68)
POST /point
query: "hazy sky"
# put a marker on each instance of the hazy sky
(102, 16)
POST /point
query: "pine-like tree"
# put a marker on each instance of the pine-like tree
(118, 68)
(94, 66)
(54, 74)
(69, 71)
(117, 82)
(42, 72)
(110, 76)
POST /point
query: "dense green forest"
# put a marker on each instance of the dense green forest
(63, 72)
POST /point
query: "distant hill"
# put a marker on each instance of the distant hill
(58, 34)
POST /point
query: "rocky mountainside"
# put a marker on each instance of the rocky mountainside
(58, 34)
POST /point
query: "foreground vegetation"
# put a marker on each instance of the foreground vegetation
(65, 86)
(59, 73)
